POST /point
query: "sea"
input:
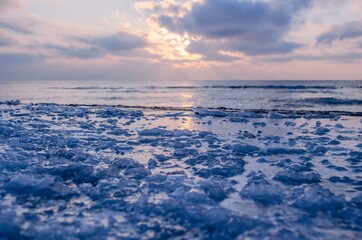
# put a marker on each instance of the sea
(243, 95)
(74, 172)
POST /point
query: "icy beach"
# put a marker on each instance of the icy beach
(78, 172)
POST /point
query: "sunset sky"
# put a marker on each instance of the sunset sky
(180, 40)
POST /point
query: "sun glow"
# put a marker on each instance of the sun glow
(171, 46)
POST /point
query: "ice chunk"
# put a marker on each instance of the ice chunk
(259, 124)
(247, 114)
(316, 198)
(216, 190)
(207, 112)
(228, 170)
(11, 102)
(275, 115)
(119, 132)
(23, 183)
(244, 149)
(153, 132)
(289, 123)
(212, 219)
(246, 134)
(357, 199)
(184, 152)
(290, 177)
(284, 151)
(9, 226)
(239, 119)
(197, 198)
(203, 134)
(322, 131)
(180, 133)
(261, 191)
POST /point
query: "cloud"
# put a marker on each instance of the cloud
(15, 26)
(210, 52)
(346, 57)
(9, 4)
(251, 27)
(158, 6)
(117, 42)
(349, 30)
(212, 47)
(247, 20)
(4, 42)
(11, 58)
(76, 52)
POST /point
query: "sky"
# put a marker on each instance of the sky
(180, 40)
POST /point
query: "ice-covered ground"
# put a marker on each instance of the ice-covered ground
(99, 172)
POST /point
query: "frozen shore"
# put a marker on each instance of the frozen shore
(70, 172)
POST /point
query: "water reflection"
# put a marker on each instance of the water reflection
(187, 99)
(187, 122)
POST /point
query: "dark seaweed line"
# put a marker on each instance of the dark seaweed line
(191, 109)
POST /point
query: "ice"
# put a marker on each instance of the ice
(11, 102)
(289, 123)
(9, 227)
(357, 199)
(259, 124)
(284, 151)
(239, 119)
(244, 149)
(78, 172)
(216, 190)
(316, 198)
(275, 115)
(28, 184)
(295, 178)
(116, 112)
(206, 112)
(322, 131)
(184, 152)
(261, 191)
(153, 132)
(246, 114)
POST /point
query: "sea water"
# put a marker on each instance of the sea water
(280, 95)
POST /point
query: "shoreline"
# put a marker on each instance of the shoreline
(197, 174)
(300, 113)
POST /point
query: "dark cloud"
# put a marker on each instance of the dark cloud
(347, 30)
(252, 27)
(209, 51)
(130, 69)
(14, 58)
(83, 53)
(342, 57)
(211, 48)
(15, 26)
(117, 42)
(4, 42)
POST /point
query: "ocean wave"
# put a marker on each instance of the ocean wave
(333, 101)
(288, 87)
(86, 88)
(296, 87)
